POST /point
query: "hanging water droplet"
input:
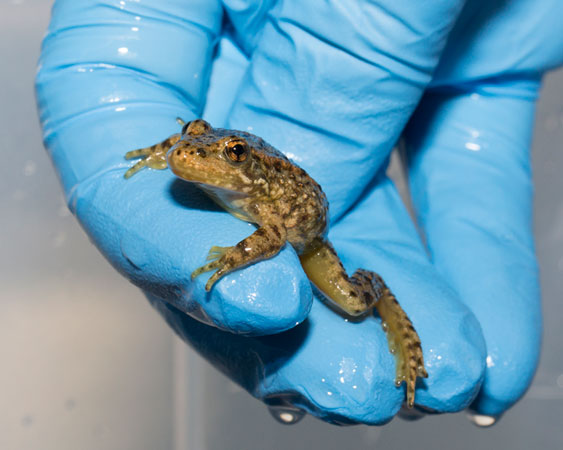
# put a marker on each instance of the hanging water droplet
(410, 414)
(286, 414)
(482, 420)
(385, 326)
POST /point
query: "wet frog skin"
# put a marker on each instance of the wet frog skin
(255, 182)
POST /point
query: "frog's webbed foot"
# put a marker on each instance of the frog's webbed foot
(264, 243)
(403, 339)
(153, 157)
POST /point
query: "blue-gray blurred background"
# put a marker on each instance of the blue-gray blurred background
(85, 363)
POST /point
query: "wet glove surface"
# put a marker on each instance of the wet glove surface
(332, 86)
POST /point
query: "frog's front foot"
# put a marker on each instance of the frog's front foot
(153, 157)
(218, 262)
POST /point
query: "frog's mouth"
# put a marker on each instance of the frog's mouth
(216, 183)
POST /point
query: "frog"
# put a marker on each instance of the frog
(257, 183)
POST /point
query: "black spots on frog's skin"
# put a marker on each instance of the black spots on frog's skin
(276, 231)
(260, 232)
(230, 261)
(368, 296)
(241, 245)
(201, 152)
(352, 294)
(178, 152)
(278, 165)
(301, 172)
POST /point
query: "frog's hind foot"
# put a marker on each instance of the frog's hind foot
(403, 339)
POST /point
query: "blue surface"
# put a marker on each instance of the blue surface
(333, 86)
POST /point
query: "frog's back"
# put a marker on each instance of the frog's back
(299, 200)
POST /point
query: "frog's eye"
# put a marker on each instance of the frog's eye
(237, 151)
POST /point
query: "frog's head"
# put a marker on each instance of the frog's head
(217, 158)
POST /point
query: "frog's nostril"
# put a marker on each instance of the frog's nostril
(201, 152)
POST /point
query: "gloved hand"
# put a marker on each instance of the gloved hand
(333, 86)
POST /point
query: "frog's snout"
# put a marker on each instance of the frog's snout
(176, 155)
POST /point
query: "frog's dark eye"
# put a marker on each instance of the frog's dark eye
(237, 151)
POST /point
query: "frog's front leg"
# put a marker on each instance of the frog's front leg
(264, 243)
(153, 156)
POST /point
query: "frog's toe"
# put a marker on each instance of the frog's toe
(213, 265)
(213, 279)
(217, 265)
(133, 170)
(151, 160)
(216, 252)
(137, 153)
(409, 372)
(410, 363)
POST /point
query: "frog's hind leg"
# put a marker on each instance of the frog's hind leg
(403, 339)
(359, 294)
(323, 267)
(153, 156)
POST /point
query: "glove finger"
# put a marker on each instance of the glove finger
(98, 101)
(247, 18)
(503, 37)
(379, 236)
(470, 180)
(324, 366)
(112, 79)
(341, 371)
(332, 86)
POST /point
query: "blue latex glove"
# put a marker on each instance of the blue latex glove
(332, 86)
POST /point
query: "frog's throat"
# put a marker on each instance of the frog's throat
(231, 201)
